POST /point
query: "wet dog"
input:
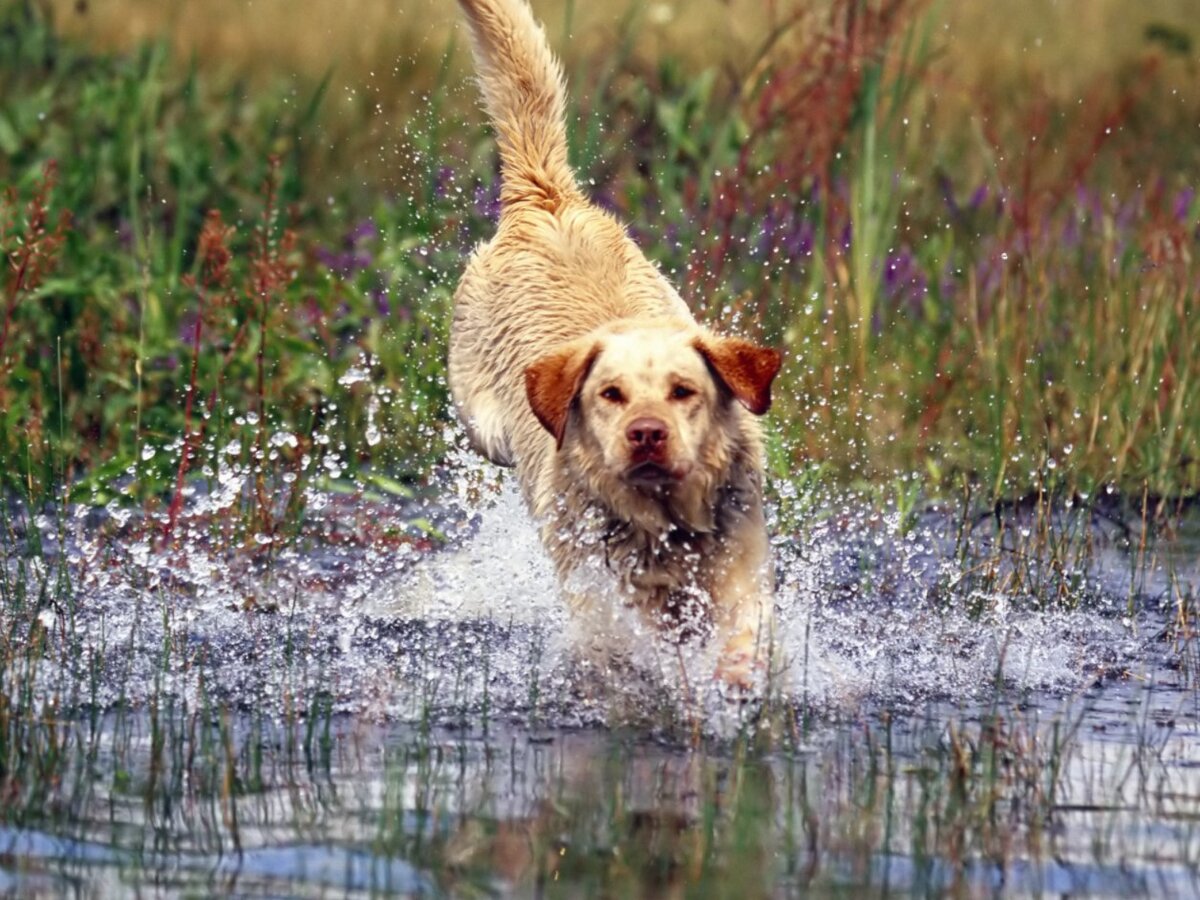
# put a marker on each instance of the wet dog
(631, 427)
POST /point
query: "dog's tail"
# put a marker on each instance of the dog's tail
(523, 90)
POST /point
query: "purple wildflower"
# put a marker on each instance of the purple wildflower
(799, 239)
(947, 190)
(905, 283)
(349, 257)
(1182, 206)
(605, 200)
(1128, 212)
(379, 295)
(1089, 204)
(343, 263)
(442, 182)
(187, 326)
(361, 232)
(766, 232)
(487, 200)
(978, 198)
(1071, 232)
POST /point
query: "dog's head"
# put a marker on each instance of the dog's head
(650, 409)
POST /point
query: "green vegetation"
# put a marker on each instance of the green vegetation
(1008, 299)
(162, 290)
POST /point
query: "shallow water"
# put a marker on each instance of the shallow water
(868, 806)
(366, 714)
(391, 628)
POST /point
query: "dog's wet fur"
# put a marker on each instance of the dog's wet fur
(631, 427)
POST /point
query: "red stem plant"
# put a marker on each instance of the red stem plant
(34, 250)
(1049, 167)
(801, 103)
(271, 271)
(213, 293)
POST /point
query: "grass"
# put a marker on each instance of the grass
(1008, 298)
(147, 328)
(222, 403)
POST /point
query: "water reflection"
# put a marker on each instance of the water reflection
(1096, 794)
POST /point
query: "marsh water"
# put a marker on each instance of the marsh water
(963, 704)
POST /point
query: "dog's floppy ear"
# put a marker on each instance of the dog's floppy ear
(552, 383)
(745, 368)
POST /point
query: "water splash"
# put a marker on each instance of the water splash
(360, 619)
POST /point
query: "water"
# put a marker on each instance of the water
(868, 806)
(367, 714)
(393, 628)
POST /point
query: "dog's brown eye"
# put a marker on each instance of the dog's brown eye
(612, 394)
(682, 392)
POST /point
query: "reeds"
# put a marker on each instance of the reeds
(30, 245)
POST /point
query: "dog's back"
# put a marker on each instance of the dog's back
(558, 266)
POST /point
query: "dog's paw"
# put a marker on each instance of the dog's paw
(736, 703)
(740, 673)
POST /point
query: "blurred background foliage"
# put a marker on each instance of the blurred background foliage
(971, 227)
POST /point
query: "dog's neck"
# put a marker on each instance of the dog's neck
(655, 540)
(688, 516)
(656, 546)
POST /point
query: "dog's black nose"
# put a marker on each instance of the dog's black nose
(647, 433)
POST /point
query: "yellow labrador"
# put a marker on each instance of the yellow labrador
(571, 358)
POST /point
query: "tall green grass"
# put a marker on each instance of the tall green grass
(174, 292)
(1034, 322)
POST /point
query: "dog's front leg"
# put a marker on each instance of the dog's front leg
(743, 606)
